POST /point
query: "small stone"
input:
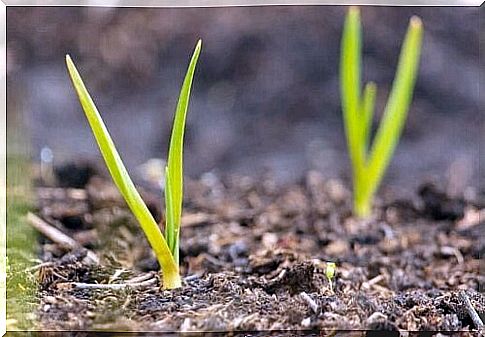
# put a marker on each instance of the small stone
(50, 299)
(269, 240)
(306, 322)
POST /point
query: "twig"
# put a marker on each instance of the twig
(112, 286)
(191, 278)
(38, 266)
(140, 278)
(197, 219)
(313, 305)
(449, 251)
(57, 236)
(471, 311)
(213, 260)
(116, 275)
(373, 281)
(280, 276)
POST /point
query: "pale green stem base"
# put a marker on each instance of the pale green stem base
(171, 280)
(362, 199)
(362, 207)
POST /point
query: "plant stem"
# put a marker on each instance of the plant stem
(362, 203)
(171, 279)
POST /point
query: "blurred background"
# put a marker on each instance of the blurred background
(266, 92)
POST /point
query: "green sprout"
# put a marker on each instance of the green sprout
(330, 273)
(369, 161)
(165, 248)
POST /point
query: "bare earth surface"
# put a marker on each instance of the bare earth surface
(254, 258)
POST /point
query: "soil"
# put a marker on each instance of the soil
(254, 256)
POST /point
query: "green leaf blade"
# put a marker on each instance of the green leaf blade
(350, 84)
(395, 112)
(122, 179)
(175, 154)
(368, 104)
(169, 222)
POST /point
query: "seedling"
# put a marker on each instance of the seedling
(165, 248)
(370, 161)
(330, 273)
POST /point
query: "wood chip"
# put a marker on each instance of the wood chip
(472, 312)
(112, 286)
(311, 303)
(57, 236)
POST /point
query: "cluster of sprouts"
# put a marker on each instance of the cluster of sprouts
(166, 248)
(369, 162)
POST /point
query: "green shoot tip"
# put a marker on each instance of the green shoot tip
(354, 10)
(415, 22)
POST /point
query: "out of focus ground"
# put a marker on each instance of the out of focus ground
(266, 90)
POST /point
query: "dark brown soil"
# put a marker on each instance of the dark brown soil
(254, 256)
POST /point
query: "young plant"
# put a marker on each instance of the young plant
(165, 248)
(330, 273)
(369, 161)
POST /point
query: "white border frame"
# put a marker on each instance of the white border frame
(227, 3)
(135, 3)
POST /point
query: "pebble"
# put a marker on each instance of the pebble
(306, 322)
(269, 240)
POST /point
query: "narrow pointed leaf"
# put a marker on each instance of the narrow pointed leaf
(175, 154)
(121, 178)
(169, 224)
(350, 84)
(396, 110)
